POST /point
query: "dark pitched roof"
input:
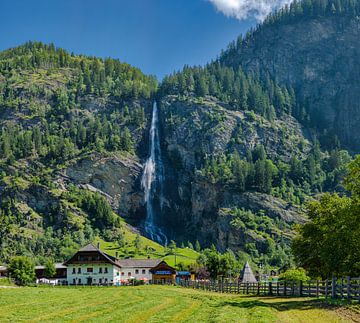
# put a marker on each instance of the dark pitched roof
(163, 266)
(140, 263)
(57, 266)
(91, 248)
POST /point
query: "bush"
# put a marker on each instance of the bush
(22, 269)
(294, 275)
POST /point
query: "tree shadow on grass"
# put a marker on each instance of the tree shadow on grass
(282, 305)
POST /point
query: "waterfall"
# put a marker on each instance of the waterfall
(152, 181)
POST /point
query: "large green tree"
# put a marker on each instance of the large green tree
(329, 243)
(22, 269)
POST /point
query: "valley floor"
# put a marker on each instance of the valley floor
(158, 304)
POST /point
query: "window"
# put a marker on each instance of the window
(74, 271)
(79, 280)
(89, 270)
(100, 281)
(136, 271)
(122, 274)
(144, 271)
(79, 270)
(100, 270)
(105, 280)
(105, 270)
(129, 273)
(117, 274)
(74, 281)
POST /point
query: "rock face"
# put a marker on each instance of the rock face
(117, 177)
(211, 216)
(194, 207)
(318, 57)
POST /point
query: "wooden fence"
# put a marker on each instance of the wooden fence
(348, 288)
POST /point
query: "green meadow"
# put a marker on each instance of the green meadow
(158, 304)
(148, 248)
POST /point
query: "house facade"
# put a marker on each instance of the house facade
(58, 279)
(137, 268)
(91, 266)
(163, 273)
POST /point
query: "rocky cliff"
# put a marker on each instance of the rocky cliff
(318, 57)
(197, 208)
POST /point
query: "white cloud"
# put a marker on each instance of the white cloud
(243, 9)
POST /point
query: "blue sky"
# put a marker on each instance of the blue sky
(159, 36)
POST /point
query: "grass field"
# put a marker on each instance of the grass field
(186, 256)
(157, 304)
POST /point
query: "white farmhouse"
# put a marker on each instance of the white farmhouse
(91, 266)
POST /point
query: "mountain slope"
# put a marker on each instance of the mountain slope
(246, 139)
(72, 135)
(313, 47)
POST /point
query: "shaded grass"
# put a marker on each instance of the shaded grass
(154, 304)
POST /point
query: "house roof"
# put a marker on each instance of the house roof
(3, 268)
(247, 275)
(163, 266)
(57, 266)
(121, 263)
(140, 263)
(91, 248)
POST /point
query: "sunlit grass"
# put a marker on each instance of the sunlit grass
(153, 304)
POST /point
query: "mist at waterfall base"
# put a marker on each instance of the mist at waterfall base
(152, 182)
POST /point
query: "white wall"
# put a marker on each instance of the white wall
(132, 271)
(111, 277)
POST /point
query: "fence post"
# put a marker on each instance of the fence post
(333, 287)
(348, 290)
(238, 287)
(317, 288)
(258, 288)
(247, 288)
(301, 288)
(270, 289)
(326, 288)
(285, 288)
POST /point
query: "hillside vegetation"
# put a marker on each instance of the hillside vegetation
(247, 141)
(58, 109)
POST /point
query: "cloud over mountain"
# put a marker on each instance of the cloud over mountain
(244, 9)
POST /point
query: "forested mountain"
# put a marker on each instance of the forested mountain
(312, 48)
(59, 111)
(246, 140)
(264, 127)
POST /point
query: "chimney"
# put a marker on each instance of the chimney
(116, 254)
(98, 245)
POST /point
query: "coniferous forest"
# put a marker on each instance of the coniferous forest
(259, 153)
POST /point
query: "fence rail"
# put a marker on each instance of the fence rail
(345, 288)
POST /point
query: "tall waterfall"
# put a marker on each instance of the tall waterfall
(152, 182)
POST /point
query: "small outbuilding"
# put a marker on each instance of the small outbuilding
(163, 273)
(247, 275)
(184, 275)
